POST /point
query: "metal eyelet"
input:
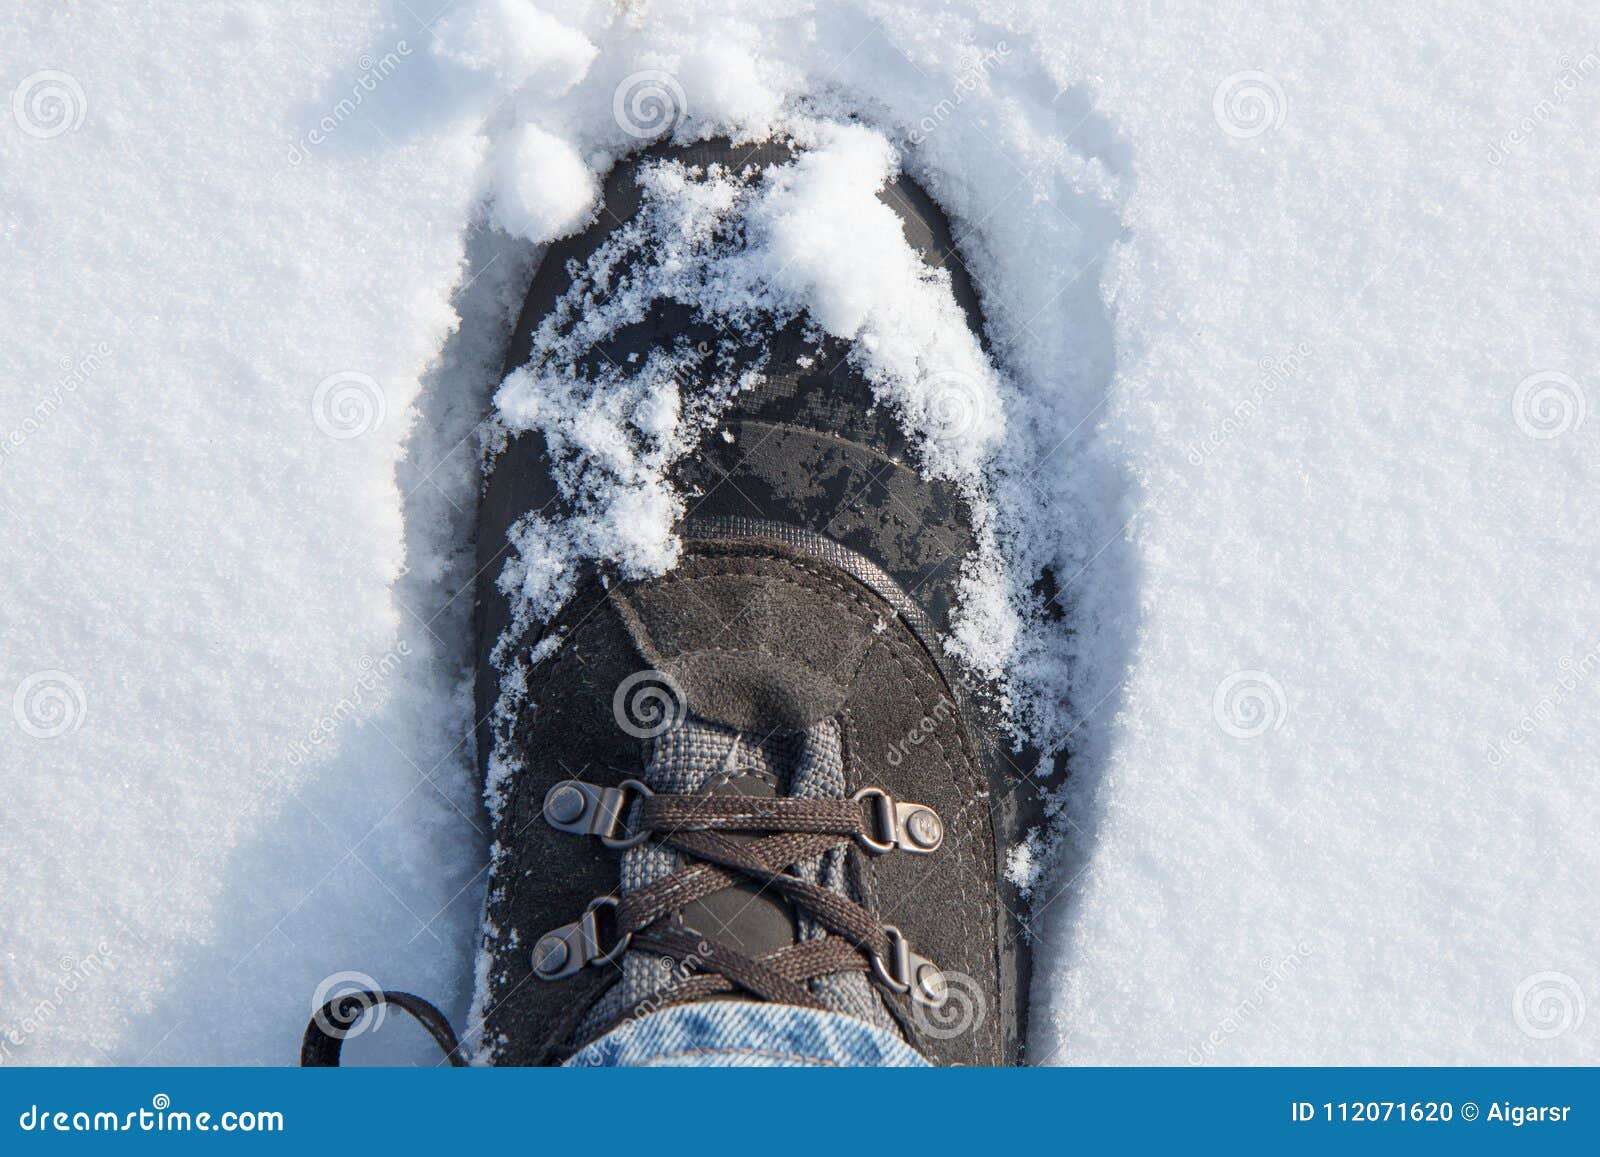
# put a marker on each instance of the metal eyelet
(908, 827)
(567, 950)
(907, 971)
(586, 810)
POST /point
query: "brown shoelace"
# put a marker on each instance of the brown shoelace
(732, 840)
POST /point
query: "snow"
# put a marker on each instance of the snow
(1292, 350)
(543, 188)
(747, 255)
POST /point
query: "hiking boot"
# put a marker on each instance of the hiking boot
(757, 776)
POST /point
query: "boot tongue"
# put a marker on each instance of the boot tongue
(746, 918)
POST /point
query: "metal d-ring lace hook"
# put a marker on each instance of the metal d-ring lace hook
(586, 810)
(569, 949)
(910, 827)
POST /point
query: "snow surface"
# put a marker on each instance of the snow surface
(1293, 336)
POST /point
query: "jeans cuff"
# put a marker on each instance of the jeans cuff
(746, 1034)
